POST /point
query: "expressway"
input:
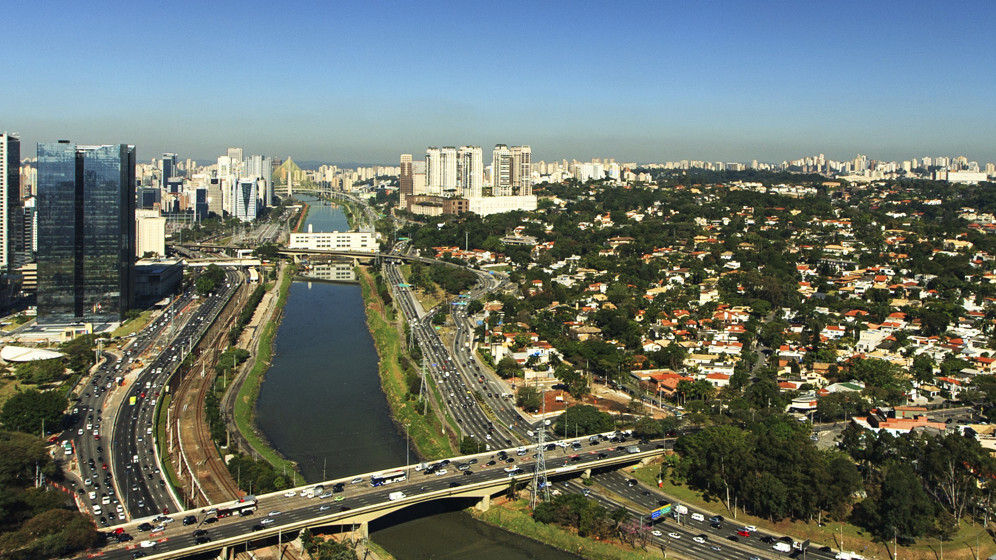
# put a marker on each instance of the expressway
(136, 463)
(458, 387)
(107, 432)
(354, 500)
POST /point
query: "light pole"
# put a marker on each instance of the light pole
(407, 453)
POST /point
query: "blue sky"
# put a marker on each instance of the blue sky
(637, 81)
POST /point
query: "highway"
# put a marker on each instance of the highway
(291, 510)
(108, 432)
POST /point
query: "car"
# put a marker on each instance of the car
(767, 539)
(454, 484)
(440, 472)
(290, 494)
(211, 520)
(147, 544)
(266, 521)
(339, 498)
(715, 548)
(325, 507)
(743, 533)
(696, 516)
(200, 532)
(733, 538)
(274, 513)
(145, 527)
(750, 528)
(674, 535)
(656, 533)
(189, 520)
(632, 482)
(356, 480)
(326, 494)
(138, 554)
(257, 528)
(124, 537)
(701, 539)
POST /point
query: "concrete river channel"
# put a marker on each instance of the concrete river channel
(321, 405)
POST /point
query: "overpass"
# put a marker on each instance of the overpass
(358, 503)
(327, 252)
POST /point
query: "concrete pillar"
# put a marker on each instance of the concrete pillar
(224, 553)
(484, 504)
(586, 473)
(365, 530)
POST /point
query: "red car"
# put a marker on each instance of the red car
(743, 533)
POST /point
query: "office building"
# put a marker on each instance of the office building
(168, 168)
(86, 232)
(245, 203)
(405, 179)
(260, 168)
(200, 204)
(352, 241)
(10, 198)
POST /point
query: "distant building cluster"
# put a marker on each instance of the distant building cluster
(454, 180)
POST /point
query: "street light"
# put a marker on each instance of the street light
(407, 453)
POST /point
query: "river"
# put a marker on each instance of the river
(321, 405)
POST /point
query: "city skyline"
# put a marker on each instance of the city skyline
(652, 82)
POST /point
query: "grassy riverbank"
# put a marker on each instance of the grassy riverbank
(245, 402)
(426, 432)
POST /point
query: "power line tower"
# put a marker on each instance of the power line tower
(540, 484)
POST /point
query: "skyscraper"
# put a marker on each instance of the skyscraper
(10, 197)
(470, 171)
(169, 167)
(246, 193)
(522, 174)
(501, 170)
(433, 170)
(405, 179)
(86, 232)
(448, 171)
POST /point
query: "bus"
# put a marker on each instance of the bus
(131, 400)
(245, 505)
(387, 477)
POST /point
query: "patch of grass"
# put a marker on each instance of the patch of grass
(245, 401)
(425, 431)
(161, 442)
(516, 518)
(133, 325)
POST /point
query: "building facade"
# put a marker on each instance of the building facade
(86, 232)
(355, 241)
(10, 199)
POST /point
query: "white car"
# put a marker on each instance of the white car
(656, 533)
(148, 544)
(440, 472)
(290, 494)
(750, 528)
(674, 535)
(699, 540)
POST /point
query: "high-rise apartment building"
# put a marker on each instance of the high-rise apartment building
(86, 232)
(433, 170)
(470, 171)
(10, 198)
(448, 171)
(522, 170)
(501, 170)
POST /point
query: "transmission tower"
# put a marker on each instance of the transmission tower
(540, 483)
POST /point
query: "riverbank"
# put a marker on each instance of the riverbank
(424, 430)
(244, 408)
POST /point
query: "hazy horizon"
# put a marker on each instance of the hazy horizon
(641, 81)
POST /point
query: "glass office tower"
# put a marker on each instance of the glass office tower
(86, 232)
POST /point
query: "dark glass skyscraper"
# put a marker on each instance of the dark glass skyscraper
(86, 232)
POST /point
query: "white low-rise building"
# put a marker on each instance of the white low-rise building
(354, 241)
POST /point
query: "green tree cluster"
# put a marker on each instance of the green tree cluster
(28, 411)
(587, 517)
(581, 420)
(257, 476)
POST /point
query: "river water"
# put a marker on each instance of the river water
(321, 405)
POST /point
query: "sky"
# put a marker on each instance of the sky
(635, 81)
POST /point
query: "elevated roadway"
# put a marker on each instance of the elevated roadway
(359, 502)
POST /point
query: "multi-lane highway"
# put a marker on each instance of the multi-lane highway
(340, 498)
(109, 431)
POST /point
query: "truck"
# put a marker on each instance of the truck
(782, 547)
(632, 449)
(396, 496)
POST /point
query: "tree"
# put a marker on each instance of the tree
(582, 419)
(577, 382)
(903, 509)
(470, 445)
(529, 399)
(508, 368)
(28, 411)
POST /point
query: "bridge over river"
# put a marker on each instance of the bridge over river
(473, 479)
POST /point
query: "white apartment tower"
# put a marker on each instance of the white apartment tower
(522, 174)
(433, 170)
(501, 170)
(470, 171)
(448, 171)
